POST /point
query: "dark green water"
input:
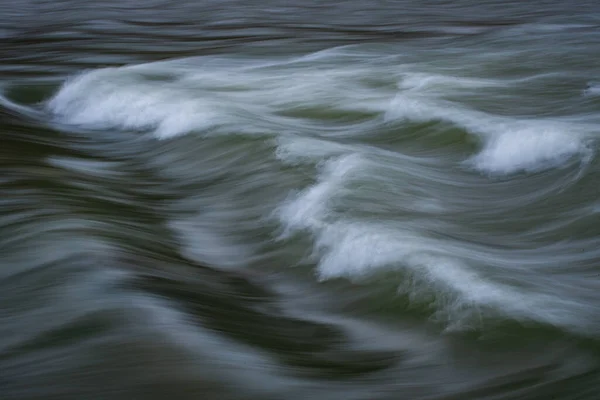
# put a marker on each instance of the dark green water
(318, 200)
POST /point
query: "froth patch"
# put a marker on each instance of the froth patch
(309, 210)
(510, 145)
(116, 98)
(432, 275)
(527, 150)
(592, 89)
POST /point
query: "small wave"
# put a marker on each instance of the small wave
(172, 98)
(592, 89)
(510, 145)
(115, 98)
(531, 147)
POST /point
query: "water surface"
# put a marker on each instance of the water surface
(329, 200)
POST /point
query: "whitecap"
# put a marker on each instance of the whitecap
(592, 89)
(119, 98)
(509, 145)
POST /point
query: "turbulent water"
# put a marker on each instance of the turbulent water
(274, 200)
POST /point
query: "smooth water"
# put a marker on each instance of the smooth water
(328, 200)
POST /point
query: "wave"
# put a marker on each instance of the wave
(437, 273)
(592, 89)
(317, 108)
(340, 93)
(509, 145)
(114, 99)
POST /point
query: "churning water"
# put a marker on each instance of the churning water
(274, 200)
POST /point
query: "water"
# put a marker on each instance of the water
(342, 200)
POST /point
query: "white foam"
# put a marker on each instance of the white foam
(509, 145)
(116, 98)
(529, 148)
(309, 211)
(592, 89)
